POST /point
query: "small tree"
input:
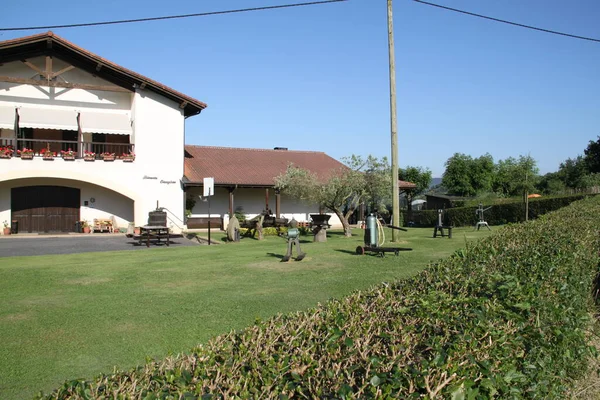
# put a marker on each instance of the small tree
(345, 188)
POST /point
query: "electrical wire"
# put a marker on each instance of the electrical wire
(509, 22)
(128, 21)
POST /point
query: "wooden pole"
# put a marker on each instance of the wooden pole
(526, 190)
(277, 204)
(394, 129)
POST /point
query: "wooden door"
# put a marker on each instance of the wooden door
(45, 209)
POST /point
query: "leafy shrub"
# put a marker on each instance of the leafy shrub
(502, 318)
(498, 214)
(239, 213)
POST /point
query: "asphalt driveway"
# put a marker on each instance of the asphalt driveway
(38, 245)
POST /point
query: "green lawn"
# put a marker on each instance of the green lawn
(75, 316)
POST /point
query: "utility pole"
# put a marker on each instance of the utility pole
(394, 128)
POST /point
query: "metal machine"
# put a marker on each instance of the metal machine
(293, 238)
(375, 238)
(479, 212)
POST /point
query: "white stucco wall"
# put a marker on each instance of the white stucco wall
(158, 135)
(253, 203)
(12, 94)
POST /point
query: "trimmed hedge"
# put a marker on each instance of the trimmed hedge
(498, 214)
(502, 318)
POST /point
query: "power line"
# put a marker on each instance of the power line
(127, 21)
(509, 22)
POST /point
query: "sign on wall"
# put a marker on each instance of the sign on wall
(209, 187)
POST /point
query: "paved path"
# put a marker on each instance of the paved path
(36, 245)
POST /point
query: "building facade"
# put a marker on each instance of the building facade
(57, 98)
(244, 180)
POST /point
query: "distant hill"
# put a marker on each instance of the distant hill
(435, 181)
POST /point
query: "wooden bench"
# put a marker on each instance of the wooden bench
(102, 225)
(153, 233)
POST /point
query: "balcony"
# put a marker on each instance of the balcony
(81, 150)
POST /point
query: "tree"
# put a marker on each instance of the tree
(551, 184)
(457, 176)
(573, 171)
(417, 175)
(592, 156)
(504, 181)
(482, 173)
(514, 176)
(360, 180)
(378, 181)
(466, 176)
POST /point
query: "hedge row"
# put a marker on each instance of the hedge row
(498, 214)
(502, 318)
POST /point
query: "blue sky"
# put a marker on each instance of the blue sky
(316, 78)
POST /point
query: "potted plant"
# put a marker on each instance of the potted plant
(89, 155)
(106, 156)
(47, 154)
(6, 152)
(6, 230)
(68, 154)
(25, 153)
(128, 157)
(86, 226)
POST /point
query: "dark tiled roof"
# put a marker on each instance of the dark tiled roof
(50, 44)
(252, 167)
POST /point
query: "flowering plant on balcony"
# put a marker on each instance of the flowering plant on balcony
(106, 156)
(25, 153)
(68, 154)
(47, 154)
(6, 152)
(128, 157)
(89, 155)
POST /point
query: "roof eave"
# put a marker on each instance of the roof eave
(122, 76)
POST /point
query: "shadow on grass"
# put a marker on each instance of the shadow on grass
(346, 251)
(337, 233)
(280, 256)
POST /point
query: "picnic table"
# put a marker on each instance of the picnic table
(155, 233)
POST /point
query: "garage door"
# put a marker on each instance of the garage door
(45, 209)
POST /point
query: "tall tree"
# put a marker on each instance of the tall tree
(419, 176)
(343, 191)
(466, 176)
(504, 182)
(482, 173)
(572, 172)
(592, 156)
(457, 176)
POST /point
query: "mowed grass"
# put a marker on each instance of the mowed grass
(75, 316)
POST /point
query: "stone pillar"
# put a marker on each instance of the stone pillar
(320, 234)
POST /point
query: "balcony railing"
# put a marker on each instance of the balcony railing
(80, 148)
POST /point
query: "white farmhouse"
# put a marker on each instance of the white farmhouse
(56, 97)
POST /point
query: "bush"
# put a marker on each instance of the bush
(498, 214)
(502, 318)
